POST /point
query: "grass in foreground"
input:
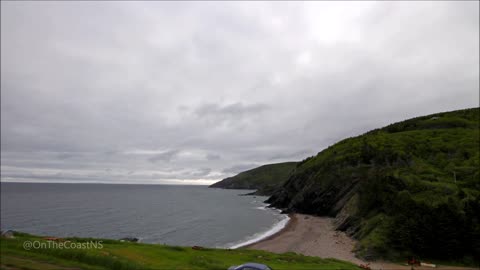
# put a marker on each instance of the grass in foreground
(123, 255)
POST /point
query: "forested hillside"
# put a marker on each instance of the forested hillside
(411, 188)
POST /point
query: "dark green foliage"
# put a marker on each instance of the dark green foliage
(441, 231)
(265, 179)
(417, 184)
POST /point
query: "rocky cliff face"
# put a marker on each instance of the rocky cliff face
(297, 195)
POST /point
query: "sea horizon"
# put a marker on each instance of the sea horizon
(108, 183)
(58, 209)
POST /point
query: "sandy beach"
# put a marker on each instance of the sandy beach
(315, 236)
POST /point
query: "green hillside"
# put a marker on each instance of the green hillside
(113, 254)
(411, 188)
(265, 179)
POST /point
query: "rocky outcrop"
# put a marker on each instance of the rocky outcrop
(317, 199)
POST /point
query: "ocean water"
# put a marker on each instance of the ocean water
(166, 214)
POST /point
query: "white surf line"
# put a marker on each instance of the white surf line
(260, 236)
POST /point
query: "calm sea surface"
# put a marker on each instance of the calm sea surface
(176, 215)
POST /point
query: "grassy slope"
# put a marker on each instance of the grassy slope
(123, 255)
(265, 178)
(411, 188)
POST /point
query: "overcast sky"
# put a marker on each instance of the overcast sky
(193, 92)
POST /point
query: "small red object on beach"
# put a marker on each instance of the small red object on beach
(413, 261)
(51, 238)
(365, 266)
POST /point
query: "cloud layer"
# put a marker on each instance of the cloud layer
(192, 92)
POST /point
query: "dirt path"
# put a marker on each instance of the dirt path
(316, 236)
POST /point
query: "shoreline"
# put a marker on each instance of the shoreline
(316, 236)
(261, 236)
(290, 224)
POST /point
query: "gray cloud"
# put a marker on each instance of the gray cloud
(211, 156)
(166, 156)
(292, 156)
(158, 92)
(240, 168)
(230, 110)
(202, 172)
(235, 115)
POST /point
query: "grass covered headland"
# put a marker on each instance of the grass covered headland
(125, 255)
(265, 179)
